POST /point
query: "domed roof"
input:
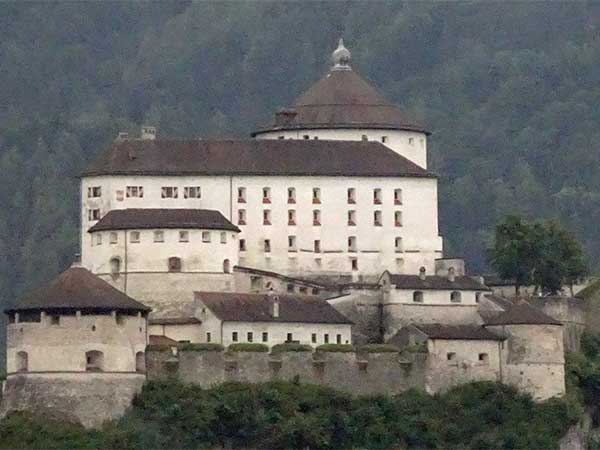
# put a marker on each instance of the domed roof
(342, 99)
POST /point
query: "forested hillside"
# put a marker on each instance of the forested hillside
(511, 92)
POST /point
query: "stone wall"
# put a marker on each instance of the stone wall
(88, 398)
(570, 311)
(356, 373)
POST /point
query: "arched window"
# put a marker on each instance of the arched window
(115, 267)
(455, 297)
(140, 362)
(22, 362)
(226, 266)
(174, 264)
(418, 297)
(94, 361)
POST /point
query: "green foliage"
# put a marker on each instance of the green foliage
(206, 347)
(341, 348)
(291, 347)
(248, 347)
(378, 348)
(283, 415)
(158, 348)
(540, 253)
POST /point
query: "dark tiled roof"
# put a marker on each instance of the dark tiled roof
(253, 157)
(436, 282)
(126, 219)
(241, 307)
(174, 321)
(519, 312)
(155, 339)
(465, 332)
(342, 99)
(78, 289)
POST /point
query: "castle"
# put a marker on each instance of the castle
(321, 229)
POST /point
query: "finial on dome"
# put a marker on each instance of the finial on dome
(341, 57)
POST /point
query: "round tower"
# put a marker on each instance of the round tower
(343, 106)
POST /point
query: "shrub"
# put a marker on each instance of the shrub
(158, 348)
(248, 347)
(378, 348)
(291, 348)
(340, 348)
(208, 347)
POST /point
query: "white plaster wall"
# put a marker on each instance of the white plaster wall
(431, 297)
(397, 140)
(62, 347)
(376, 245)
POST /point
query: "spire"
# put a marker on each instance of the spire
(341, 57)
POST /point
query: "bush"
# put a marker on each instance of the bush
(158, 348)
(378, 348)
(248, 347)
(291, 348)
(341, 348)
(208, 347)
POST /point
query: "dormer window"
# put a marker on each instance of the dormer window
(241, 195)
(351, 218)
(291, 195)
(292, 217)
(169, 192)
(397, 196)
(377, 196)
(266, 193)
(316, 217)
(351, 194)
(267, 217)
(191, 192)
(316, 195)
(241, 217)
(377, 220)
(134, 192)
(94, 192)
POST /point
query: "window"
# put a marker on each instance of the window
(398, 244)
(265, 337)
(455, 297)
(241, 195)
(267, 245)
(241, 217)
(266, 192)
(208, 336)
(338, 339)
(290, 337)
(159, 236)
(206, 236)
(134, 237)
(411, 141)
(316, 195)
(291, 217)
(169, 192)
(223, 237)
(94, 191)
(292, 243)
(226, 266)
(94, 361)
(352, 243)
(398, 218)
(306, 136)
(354, 263)
(174, 264)
(384, 139)
(93, 214)
(113, 237)
(54, 319)
(134, 191)
(377, 196)
(290, 288)
(242, 245)
(483, 357)
(234, 336)
(351, 196)
(377, 221)
(317, 246)
(22, 362)
(267, 217)
(115, 266)
(351, 218)
(184, 236)
(303, 290)
(397, 196)
(191, 192)
(120, 319)
(451, 356)
(140, 362)
(250, 336)
(280, 137)
(313, 338)
(316, 217)
(364, 137)
(477, 297)
(98, 237)
(418, 297)
(326, 338)
(291, 195)
(315, 291)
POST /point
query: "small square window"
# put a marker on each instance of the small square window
(306, 136)
(54, 319)
(397, 196)
(113, 237)
(384, 139)
(206, 236)
(159, 236)
(351, 194)
(134, 192)
(364, 137)
(291, 195)
(316, 195)
(267, 217)
(316, 217)
(169, 192)
(223, 237)
(134, 237)
(377, 220)
(351, 218)
(242, 245)
(451, 356)
(265, 337)
(418, 297)
(483, 357)
(290, 337)
(377, 196)
(250, 336)
(241, 217)
(266, 192)
(191, 192)
(98, 238)
(241, 195)
(234, 336)
(313, 338)
(292, 217)
(184, 236)
(93, 214)
(398, 218)
(94, 192)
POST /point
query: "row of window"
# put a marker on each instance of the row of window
(455, 297)
(158, 236)
(235, 337)
(292, 244)
(173, 265)
(94, 361)
(364, 137)
(482, 357)
(138, 192)
(316, 217)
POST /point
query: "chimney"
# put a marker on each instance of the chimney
(122, 136)
(76, 261)
(148, 133)
(422, 273)
(451, 274)
(274, 303)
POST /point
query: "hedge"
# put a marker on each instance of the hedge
(342, 348)
(248, 347)
(158, 348)
(378, 348)
(291, 348)
(208, 347)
